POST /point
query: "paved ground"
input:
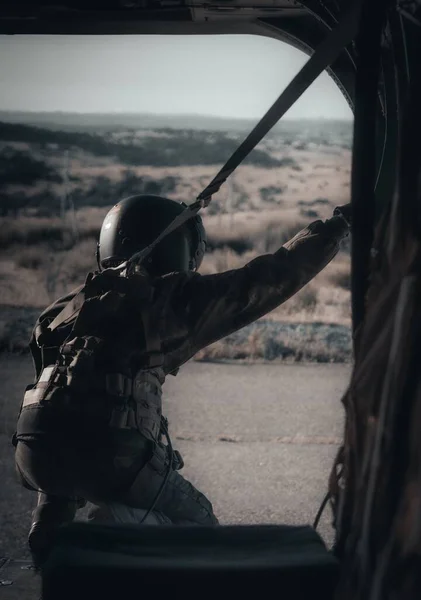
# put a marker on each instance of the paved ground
(258, 440)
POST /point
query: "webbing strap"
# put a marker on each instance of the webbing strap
(149, 319)
(92, 282)
(69, 311)
(322, 57)
(189, 212)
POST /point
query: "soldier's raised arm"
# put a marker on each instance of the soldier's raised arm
(213, 306)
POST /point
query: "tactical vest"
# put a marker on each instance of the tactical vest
(107, 356)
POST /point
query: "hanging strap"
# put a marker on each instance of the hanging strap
(325, 54)
(187, 213)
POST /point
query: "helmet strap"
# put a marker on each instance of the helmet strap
(97, 257)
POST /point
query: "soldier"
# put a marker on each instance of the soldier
(91, 426)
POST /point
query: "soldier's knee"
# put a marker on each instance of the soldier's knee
(22, 468)
(210, 515)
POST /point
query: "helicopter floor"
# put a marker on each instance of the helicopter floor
(18, 580)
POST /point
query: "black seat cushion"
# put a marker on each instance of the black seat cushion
(113, 562)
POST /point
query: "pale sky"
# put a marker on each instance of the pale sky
(226, 75)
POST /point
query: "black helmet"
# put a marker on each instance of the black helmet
(136, 222)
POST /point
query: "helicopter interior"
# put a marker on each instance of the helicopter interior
(371, 50)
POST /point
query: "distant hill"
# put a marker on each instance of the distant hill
(112, 121)
(175, 148)
(108, 122)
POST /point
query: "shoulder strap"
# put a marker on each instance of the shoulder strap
(100, 283)
(72, 308)
(143, 292)
(96, 283)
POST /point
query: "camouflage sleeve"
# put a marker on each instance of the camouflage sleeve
(211, 307)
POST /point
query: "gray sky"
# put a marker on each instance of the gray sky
(225, 75)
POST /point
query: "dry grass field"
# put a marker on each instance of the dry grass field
(256, 211)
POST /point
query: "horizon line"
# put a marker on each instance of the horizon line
(172, 115)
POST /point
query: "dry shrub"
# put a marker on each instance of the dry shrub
(235, 241)
(79, 261)
(304, 302)
(33, 257)
(342, 278)
(309, 213)
(333, 296)
(295, 349)
(316, 302)
(31, 231)
(58, 234)
(92, 216)
(274, 235)
(16, 324)
(290, 347)
(253, 349)
(224, 260)
(218, 351)
(42, 276)
(260, 236)
(89, 232)
(307, 298)
(229, 232)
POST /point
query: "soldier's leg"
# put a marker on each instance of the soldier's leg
(180, 501)
(116, 512)
(183, 503)
(55, 508)
(51, 512)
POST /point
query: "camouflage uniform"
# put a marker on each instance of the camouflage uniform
(68, 460)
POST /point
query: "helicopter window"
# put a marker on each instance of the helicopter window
(86, 122)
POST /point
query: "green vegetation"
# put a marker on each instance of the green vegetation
(300, 132)
(102, 192)
(174, 148)
(162, 148)
(20, 167)
(342, 279)
(271, 193)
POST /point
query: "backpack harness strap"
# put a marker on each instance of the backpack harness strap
(88, 305)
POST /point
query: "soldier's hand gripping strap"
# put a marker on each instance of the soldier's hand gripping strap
(345, 212)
